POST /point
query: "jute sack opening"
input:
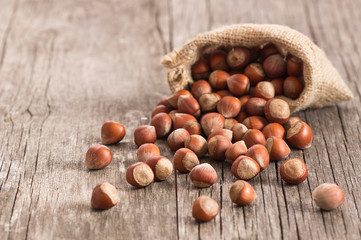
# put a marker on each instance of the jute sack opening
(323, 84)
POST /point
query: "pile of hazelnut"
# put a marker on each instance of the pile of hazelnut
(232, 113)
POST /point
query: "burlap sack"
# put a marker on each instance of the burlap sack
(323, 84)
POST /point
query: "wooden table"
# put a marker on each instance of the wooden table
(67, 66)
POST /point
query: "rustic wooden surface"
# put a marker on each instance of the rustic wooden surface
(66, 66)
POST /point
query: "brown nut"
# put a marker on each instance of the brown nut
(252, 137)
(245, 168)
(161, 166)
(197, 144)
(293, 171)
(218, 61)
(112, 132)
(205, 209)
(211, 122)
(241, 116)
(104, 196)
(185, 160)
(264, 89)
(144, 134)
(160, 109)
(278, 85)
(162, 123)
(244, 100)
(242, 193)
(172, 115)
(203, 175)
(188, 104)
(176, 139)
(229, 107)
(291, 122)
(165, 102)
(299, 135)
(209, 101)
(260, 154)
(180, 119)
(173, 100)
(235, 150)
(200, 70)
(328, 196)
(277, 148)
(238, 84)
(277, 110)
(255, 122)
(229, 123)
(238, 57)
(294, 66)
(193, 127)
(292, 87)
(238, 131)
(255, 73)
(224, 93)
(274, 66)
(98, 156)
(217, 147)
(146, 151)
(200, 87)
(223, 132)
(139, 175)
(273, 129)
(218, 79)
(268, 50)
(255, 106)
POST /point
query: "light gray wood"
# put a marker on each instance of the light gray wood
(67, 66)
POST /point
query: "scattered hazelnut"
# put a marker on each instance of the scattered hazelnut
(294, 66)
(146, 151)
(252, 137)
(268, 50)
(238, 57)
(229, 123)
(238, 131)
(139, 175)
(160, 109)
(224, 93)
(205, 209)
(277, 110)
(291, 122)
(238, 84)
(293, 171)
(264, 89)
(200, 87)
(161, 166)
(299, 135)
(328, 196)
(229, 107)
(200, 70)
(104, 196)
(173, 100)
(193, 127)
(112, 132)
(255, 122)
(273, 129)
(197, 144)
(223, 132)
(260, 154)
(188, 104)
(165, 102)
(218, 79)
(162, 123)
(176, 139)
(209, 101)
(98, 156)
(144, 134)
(274, 66)
(292, 87)
(277, 148)
(211, 122)
(218, 61)
(255, 106)
(180, 119)
(245, 168)
(203, 175)
(172, 115)
(255, 73)
(278, 85)
(185, 160)
(217, 147)
(242, 193)
(235, 150)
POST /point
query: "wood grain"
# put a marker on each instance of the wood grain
(67, 66)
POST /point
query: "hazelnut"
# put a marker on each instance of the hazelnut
(268, 50)
(244, 100)
(264, 89)
(293, 171)
(176, 139)
(161, 166)
(242, 193)
(255, 73)
(245, 168)
(224, 93)
(278, 85)
(146, 151)
(328, 196)
(197, 144)
(252, 137)
(211, 122)
(235, 150)
(200, 87)
(238, 57)
(260, 154)
(98, 156)
(255, 106)
(188, 104)
(200, 70)
(218, 61)
(173, 100)
(139, 175)
(165, 102)
(193, 127)
(277, 110)
(277, 148)
(273, 129)
(185, 160)
(112, 132)
(180, 119)
(218, 79)
(203, 175)
(274, 66)
(229, 123)
(205, 209)
(144, 134)
(255, 122)
(104, 196)
(229, 107)
(292, 87)
(291, 122)
(172, 115)
(294, 66)
(299, 135)
(241, 116)
(160, 109)
(223, 132)
(238, 131)
(238, 84)
(209, 101)
(217, 147)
